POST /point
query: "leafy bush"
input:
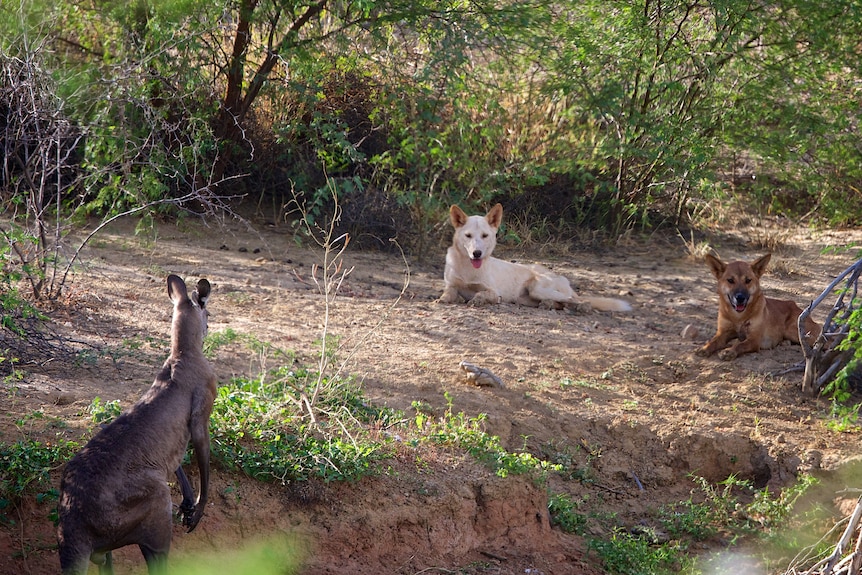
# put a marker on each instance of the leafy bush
(25, 334)
(258, 426)
(719, 509)
(104, 412)
(276, 555)
(701, 520)
(627, 554)
(591, 113)
(18, 319)
(27, 465)
(458, 430)
(564, 514)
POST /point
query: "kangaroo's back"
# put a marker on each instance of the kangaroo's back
(114, 492)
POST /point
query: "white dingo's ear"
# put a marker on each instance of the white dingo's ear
(495, 216)
(457, 216)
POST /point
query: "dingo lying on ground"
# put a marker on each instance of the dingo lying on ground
(472, 274)
(744, 313)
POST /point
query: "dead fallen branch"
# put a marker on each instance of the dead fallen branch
(32, 340)
(825, 359)
(839, 562)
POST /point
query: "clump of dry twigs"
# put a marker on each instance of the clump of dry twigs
(840, 561)
(827, 357)
(30, 340)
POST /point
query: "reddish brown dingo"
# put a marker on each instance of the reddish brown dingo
(745, 314)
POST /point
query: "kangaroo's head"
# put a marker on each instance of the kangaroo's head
(189, 324)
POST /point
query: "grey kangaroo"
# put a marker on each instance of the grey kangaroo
(114, 492)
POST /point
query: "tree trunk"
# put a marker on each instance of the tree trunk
(235, 106)
(227, 126)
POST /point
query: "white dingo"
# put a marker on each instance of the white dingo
(472, 274)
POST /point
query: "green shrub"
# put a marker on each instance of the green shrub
(564, 514)
(262, 427)
(458, 430)
(104, 412)
(26, 467)
(627, 554)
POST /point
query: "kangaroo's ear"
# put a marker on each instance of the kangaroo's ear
(202, 292)
(759, 265)
(716, 265)
(177, 289)
(457, 216)
(495, 216)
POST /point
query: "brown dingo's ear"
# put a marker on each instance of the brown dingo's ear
(457, 216)
(759, 265)
(495, 216)
(716, 265)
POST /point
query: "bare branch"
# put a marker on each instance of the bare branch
(826, 357)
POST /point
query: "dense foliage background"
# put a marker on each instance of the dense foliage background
(600, 114)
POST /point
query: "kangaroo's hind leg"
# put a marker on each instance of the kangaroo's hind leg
(106, 567)
(157, 561)
(155, 530)
(74, 565)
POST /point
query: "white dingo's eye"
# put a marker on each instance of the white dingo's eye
(484, 235)
(469, 235)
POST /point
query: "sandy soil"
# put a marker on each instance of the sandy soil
(622, 395)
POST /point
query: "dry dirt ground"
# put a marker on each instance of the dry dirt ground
(623, 395)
